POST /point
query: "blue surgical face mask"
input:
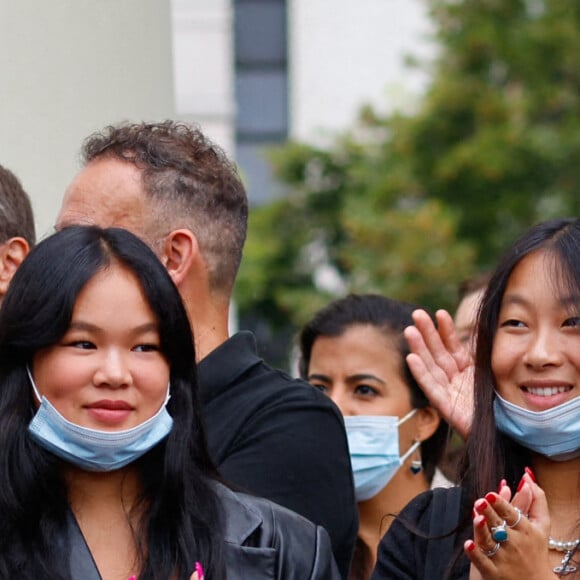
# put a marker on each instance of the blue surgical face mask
(554, 432)
(373, 443)
(92, 449)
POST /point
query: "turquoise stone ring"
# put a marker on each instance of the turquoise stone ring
(499, 533)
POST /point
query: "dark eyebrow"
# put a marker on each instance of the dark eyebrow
(351, 378)
(323, 378)
(568, 301)
(141, 329)
(516, 299)
(366, 377)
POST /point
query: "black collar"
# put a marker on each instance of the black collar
(226, 364)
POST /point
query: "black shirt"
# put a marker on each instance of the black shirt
(279, 438)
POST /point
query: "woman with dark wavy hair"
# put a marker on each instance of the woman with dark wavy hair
(104, 468)
(353, 350)
(525, 436)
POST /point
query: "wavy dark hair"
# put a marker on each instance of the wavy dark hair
(181, 521)
(390, 317)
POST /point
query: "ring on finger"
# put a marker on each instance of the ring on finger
(491, 553)
(518, 518)
(499, 533)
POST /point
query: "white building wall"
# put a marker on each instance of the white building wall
(344, 54)
(70, 67)
(204, 66)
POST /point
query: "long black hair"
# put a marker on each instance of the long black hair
(181, 522)
(390, 317)
(489, 455)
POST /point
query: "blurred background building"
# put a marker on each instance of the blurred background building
(250, 72)
(67, 68)
(255, 72)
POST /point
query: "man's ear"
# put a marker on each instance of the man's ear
(180, 253)
(12, 254)
(428, 419)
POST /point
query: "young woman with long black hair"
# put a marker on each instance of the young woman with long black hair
(104, 469)
(525, 437)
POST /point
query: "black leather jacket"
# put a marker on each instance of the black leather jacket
(264, 541)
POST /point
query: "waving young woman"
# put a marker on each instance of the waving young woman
(525, 438)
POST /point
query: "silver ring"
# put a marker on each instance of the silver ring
(518, 519)
(499, 533)
(491, 553)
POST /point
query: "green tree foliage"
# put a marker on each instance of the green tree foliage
(410, 204)
(498, 132)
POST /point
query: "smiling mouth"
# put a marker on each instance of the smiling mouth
(546, 391)
(110, 405)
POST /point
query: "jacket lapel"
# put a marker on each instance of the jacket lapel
(81, 561)
(242, 521)
(242, 561)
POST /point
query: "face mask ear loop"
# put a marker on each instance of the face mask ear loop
(407, 416)
(410, 451)
(36, 393)
(415, 445)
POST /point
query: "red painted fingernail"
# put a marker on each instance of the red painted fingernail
(470, 546)
(491, 497)
(502, 484)
(480, 505)
(521, 484)
(481, 523)
(531, 474)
